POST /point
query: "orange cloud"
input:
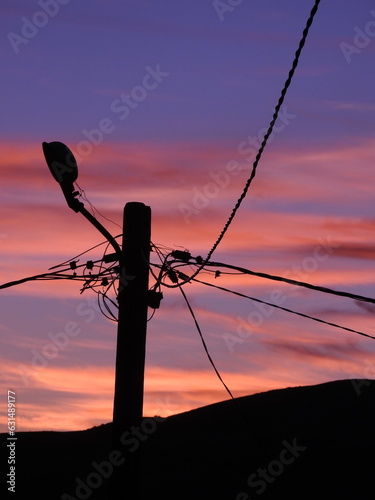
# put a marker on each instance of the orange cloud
(285, 226)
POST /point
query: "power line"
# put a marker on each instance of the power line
(61, 275)
(94, 210)
(249, 428)
(295, 282)
(83, 253)
(303, 315)
(44, 276)
(166, 269)
(99, 276)
(186, 261)
(265, 139)
(204, 343)
(270, 128)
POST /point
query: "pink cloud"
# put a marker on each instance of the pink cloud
(271, 233)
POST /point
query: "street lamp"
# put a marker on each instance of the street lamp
(63, 167)
(133, 302)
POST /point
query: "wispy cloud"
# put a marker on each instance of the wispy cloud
(273, 232)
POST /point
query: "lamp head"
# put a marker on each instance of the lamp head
(61, 162)
(63, 167)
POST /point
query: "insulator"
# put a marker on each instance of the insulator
(154, 299)
(185, 256)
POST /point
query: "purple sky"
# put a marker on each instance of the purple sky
(157, 100)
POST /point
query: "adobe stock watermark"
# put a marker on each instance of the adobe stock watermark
(168, 406)
(260, 479)
(122, 107)
(101, 472)
(59, 341)
(31, 27)
(248, 148)
(299, 272)
(369, 374)
(223, 6)
(362, 38)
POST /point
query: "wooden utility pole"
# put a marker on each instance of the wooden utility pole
(131, 344)
(134, 262)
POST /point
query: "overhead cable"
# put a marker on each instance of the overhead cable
(303, 315)
(295, 282)
(204, 343)
(265, 139)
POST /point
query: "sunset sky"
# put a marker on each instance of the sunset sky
(165, 103)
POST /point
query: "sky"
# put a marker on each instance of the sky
(166, 103)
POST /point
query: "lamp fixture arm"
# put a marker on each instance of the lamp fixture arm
(102, 229)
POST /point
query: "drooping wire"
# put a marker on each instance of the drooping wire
(204, 343)
(82, 194)
(93, 208)
(151, 315)
(303, 315)
(265, 139)
(250, 433)
(45, 276)
(163, 257)
(82, 253)
(111, 316)
(99, 276)
(94, 276)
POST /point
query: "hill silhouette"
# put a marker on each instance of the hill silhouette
(314, 442)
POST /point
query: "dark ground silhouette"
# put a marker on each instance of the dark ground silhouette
(315, 442)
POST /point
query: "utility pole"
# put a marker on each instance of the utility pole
(134, 263)
(131, 344)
